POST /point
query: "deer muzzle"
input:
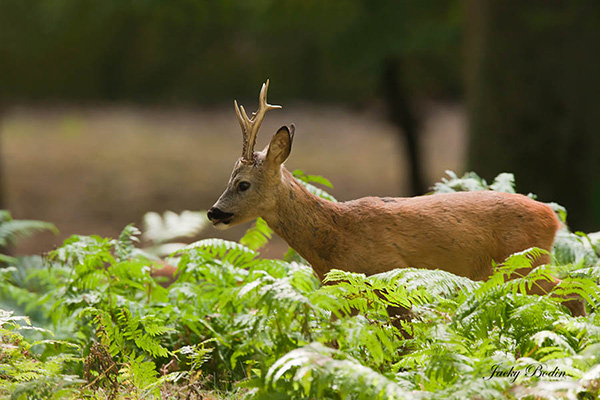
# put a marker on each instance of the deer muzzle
(217, 216)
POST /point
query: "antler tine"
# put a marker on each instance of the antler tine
(250, 126)
(243, 122)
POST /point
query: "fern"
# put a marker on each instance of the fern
(470, 181)
(318, 374)
(387, 289)
(239, 325)
(24, 373)
(570, 248)
(125, 245)
(437, 282)
(220, 248)
(12, 230)
(593, 239)
(196, 355)
(161, 232)
(257, 236)
(307, 180)
(301, 176)
(170, 226)
(142, 374)
(317, 191)
(504, 182)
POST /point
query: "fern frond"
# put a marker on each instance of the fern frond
(258, 235)
(570, 248)
(556, 341)
(521, 259)
(318, 192)
(594, 241)
(536, 312)
(437, 282)
(337, 275)
(218, 246)
(89, 252)
(504, 182)
(320, 375)
(141, 373)
(226, 250)
(170, 226)
(281, 295)
(582, 286)
(470, 181)
(369, 340)
(301, 176)
(534, 278)
(125, 245)
(590, 272)
(12, 230)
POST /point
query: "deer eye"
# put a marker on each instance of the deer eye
(243, 186)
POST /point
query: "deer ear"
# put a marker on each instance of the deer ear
(281, 145)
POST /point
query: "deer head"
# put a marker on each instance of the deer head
(256, 177)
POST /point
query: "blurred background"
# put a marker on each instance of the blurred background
(112, 108)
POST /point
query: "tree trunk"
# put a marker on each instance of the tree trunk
(402, 116)
(3, 249)
(533, 91)
(2, 199)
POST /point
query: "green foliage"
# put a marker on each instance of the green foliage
(322, 372)
(575, 248)
(249, 327)
(12, 230)
(307, 180)
(25, 375)
(301, 176)
(258, 235)
(160, 50)
(470, 181)
(161, 231)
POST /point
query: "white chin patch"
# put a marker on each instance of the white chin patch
(221, 226)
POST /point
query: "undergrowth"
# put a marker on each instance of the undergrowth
(236, 325)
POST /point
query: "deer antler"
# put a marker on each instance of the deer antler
(250, 126)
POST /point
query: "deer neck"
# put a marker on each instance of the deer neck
(307, 223)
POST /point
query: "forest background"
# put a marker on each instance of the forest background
(113, 108)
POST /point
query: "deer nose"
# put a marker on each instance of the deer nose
(216, 215)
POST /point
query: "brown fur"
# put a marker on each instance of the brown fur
(458, 232)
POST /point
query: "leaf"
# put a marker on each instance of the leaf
(318, 192)
(504, 182)
(124, 246)
(318, 372)
(257, 236)
(218, 246)
(170, 226)
(559, 210)
(470, 181)
(570, 248)
(12, 230)
(300, 175)
(232, 252)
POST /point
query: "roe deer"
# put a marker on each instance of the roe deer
(458, 232)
